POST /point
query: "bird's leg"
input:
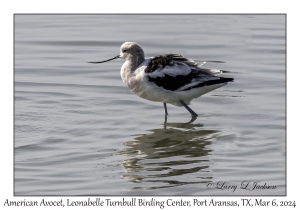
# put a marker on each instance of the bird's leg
(165, 123)
(166, 111)
(192, 119)
(188, 108)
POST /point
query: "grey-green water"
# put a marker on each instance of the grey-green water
(80, 131)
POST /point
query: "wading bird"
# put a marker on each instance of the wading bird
(170, 78)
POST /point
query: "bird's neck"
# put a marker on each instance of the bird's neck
(132, 64)
(128, 72)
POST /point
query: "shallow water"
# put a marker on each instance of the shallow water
(80, 131)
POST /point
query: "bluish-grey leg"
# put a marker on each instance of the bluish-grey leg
(166, 111)
(188, 108)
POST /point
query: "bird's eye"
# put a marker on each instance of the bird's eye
(124, 51)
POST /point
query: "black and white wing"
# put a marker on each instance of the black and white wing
(176, 73)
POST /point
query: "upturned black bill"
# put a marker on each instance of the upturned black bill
(118, 56)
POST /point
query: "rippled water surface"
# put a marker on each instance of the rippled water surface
(80, 131)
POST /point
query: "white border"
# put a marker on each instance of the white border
(8, 8)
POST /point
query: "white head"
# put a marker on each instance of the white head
(131, 50)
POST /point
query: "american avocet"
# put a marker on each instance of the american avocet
(169, 78)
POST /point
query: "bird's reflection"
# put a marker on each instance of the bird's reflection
(181, 125)
(169, 154)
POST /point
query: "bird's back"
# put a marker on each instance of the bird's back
(176, 73)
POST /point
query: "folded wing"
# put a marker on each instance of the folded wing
(176, 73)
